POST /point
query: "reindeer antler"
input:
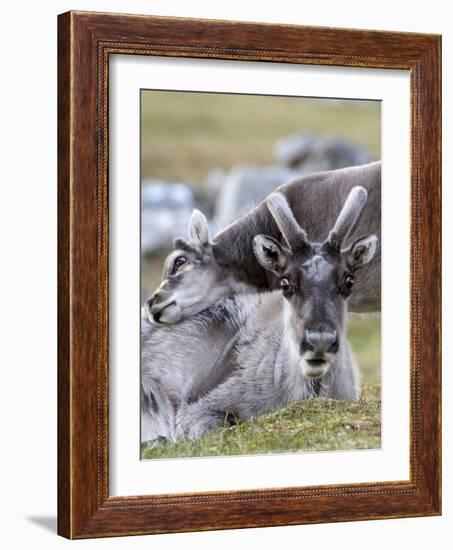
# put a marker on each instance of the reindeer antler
(293, 234)
(347, 218)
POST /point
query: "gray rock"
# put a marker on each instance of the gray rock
(307, 153)
(165, 211)
(244, 187)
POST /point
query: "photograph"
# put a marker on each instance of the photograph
(260, 274)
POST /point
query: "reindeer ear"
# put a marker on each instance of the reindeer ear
(361, 252)
(270, 254)
(198, 229)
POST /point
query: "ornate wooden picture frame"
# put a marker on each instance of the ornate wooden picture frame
(85, 42)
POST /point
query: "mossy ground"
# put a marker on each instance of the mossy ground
(309, 425)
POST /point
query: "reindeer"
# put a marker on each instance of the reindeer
(244, 355)
(293, 346)
(195, 277)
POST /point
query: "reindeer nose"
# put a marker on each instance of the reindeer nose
(152, 306)
(320, 341)
(150, 301)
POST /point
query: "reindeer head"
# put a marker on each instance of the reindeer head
(316, 279)
(192, 279)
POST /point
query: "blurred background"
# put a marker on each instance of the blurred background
(224, 153)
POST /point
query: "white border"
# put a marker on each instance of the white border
(129, 475)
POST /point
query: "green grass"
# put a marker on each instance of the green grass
(364, 334)
(309, 425)
(185, 135)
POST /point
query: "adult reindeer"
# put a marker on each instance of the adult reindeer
(199, 273)
(260, 352)
(293, 347)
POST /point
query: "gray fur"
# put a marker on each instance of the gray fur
(348, 216)
(181, 362)
(198, 229)
(291, 231)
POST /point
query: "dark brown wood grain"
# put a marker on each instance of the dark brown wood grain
(64, 426)
(85, 41)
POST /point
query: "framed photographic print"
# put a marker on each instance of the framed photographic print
(249, 275)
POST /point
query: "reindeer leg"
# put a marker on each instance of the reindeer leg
(195, 419)
(157, 415)
(215, 409)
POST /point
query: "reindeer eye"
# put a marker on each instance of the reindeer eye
(180, 260)
(286, 287)
(349, 282)
(284, 284)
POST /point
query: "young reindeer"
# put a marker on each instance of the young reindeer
(183, 361)
(200, 272)
(293, 346)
